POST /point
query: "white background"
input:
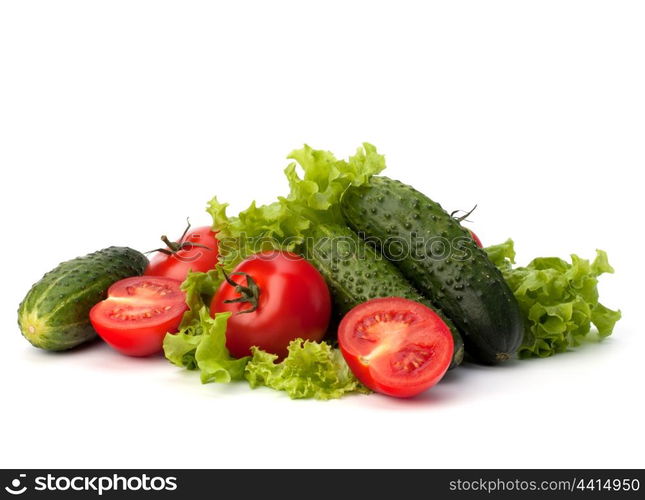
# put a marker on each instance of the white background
(118, 119)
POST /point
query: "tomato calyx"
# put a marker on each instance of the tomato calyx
(249, 294)
(174, 247)
(463, 217)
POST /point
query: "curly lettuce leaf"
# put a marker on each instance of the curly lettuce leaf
(200, 289)
(254, 230)
(202, 345)
(559, 299)
(316, 195)
(313, 199)
(213, 359)
(179, 348)
(502, 255)
(311, 370)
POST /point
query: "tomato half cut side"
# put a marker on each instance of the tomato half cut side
(396, 346)
(138, 313)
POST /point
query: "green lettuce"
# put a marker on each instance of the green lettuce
(559, 299)
(255, 229)
(179, 348)
(311, 370)
(199, 289)
(314, 198)
(202, 345)
(316, 195)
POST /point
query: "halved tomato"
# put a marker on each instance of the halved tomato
(396, 346)
(138, 313)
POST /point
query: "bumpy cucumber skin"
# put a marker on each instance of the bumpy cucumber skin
(467, 287)
(355, 273)
(55, 313)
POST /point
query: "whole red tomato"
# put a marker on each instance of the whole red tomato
(275, 297)
(196, 250)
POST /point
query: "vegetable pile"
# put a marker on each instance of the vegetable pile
(350, 283)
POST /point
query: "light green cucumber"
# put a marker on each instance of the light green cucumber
(55, 313)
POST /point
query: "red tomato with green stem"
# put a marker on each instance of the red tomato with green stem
(396, 346)
(275, 297)
(138, 312)
(196, 250)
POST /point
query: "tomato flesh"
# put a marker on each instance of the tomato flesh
(138, 313)
(189, 258)
(396, 346)
(294, 302)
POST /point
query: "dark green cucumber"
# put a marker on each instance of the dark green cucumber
(355, 273)
(439, 257)
(55, 313)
